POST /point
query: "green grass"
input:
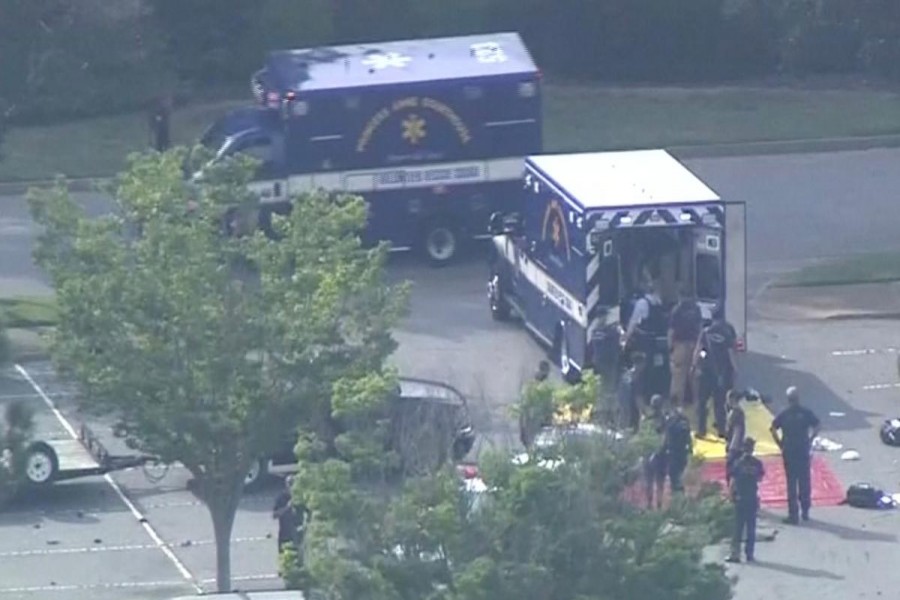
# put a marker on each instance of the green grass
(27, 312)
(578, 117)
(863, 268)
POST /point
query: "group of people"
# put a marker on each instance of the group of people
(674, 360)
(671, 354)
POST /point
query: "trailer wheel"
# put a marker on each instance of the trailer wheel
(440, 244)
(256, 475)
(41, 465)
(561, 352)
(497, 297)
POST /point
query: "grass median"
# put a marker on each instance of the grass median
(882, 267)
(577, 117)
(26, 322)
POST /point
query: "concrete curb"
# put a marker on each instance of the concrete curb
(787, 147)
(849, 144)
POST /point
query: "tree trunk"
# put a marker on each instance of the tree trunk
(222, 511)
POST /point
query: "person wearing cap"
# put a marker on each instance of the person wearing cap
(745, 474)
(798, 426)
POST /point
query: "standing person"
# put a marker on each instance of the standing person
(798, 426)
(655, 462)
(159, 124)
(685, 324)
(679, 445)
(291, 518)
(530, 424)
(646, 325)
(735, 430)
(719, 343)
(745, 475)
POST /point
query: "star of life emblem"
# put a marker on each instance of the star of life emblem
(384, 61)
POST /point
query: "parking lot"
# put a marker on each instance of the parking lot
(120, 536)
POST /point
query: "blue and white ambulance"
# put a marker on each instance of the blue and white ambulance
(570, 262)
(432, 133)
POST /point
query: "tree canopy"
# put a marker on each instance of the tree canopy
(559, 525)
(212, 349)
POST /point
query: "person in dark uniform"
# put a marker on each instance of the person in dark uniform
(715, 360)
(646, 327)
(655, 463)
(531, 424)
(798, 426)
(159, 124)
(745, 474)
(679, 445)
(291, 518)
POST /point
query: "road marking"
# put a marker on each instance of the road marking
(33, 396)
(247, 502)
(90, 586)
(881, 386)
(865, 351)
(163, 547)
(248, 578)
(122, 548)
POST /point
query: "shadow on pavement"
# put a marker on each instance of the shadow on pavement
(850, 533)
(796, 571)
(771, 376)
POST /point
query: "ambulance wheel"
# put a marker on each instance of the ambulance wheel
(440, 244)
(41, 465)
(499, 306)
(561, 352)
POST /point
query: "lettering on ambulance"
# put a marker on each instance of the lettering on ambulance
(414, 125)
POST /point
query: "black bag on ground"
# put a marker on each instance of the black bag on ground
(890, 432)
(863, 495)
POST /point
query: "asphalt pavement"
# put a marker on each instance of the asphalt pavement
(84, 539)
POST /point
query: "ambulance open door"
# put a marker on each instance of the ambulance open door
(735, 248)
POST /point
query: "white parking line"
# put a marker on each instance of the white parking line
(163, 547)
(90, 586)
(268, 577)
(865, 351)
(881, 386)
(32, 396)
(122, 548)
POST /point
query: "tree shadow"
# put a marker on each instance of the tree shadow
(797, 571)
(771, 376)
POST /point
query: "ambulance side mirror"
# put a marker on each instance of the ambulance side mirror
(495, 225)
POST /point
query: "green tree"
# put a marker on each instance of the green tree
(559, 526)
(210, 349)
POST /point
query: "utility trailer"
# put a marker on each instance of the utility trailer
(49, 461)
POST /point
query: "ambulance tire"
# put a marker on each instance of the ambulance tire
(440, 242)
(500, 309)
(561, 353)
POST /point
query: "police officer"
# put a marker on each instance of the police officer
(647, 325)
(745, 474)
(679, 446)
(798, 426)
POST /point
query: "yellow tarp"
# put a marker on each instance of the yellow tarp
(759, 419)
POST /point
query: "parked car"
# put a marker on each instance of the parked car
(430, 426)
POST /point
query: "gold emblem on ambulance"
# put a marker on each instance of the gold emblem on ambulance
(554, 228)
(414, 129)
